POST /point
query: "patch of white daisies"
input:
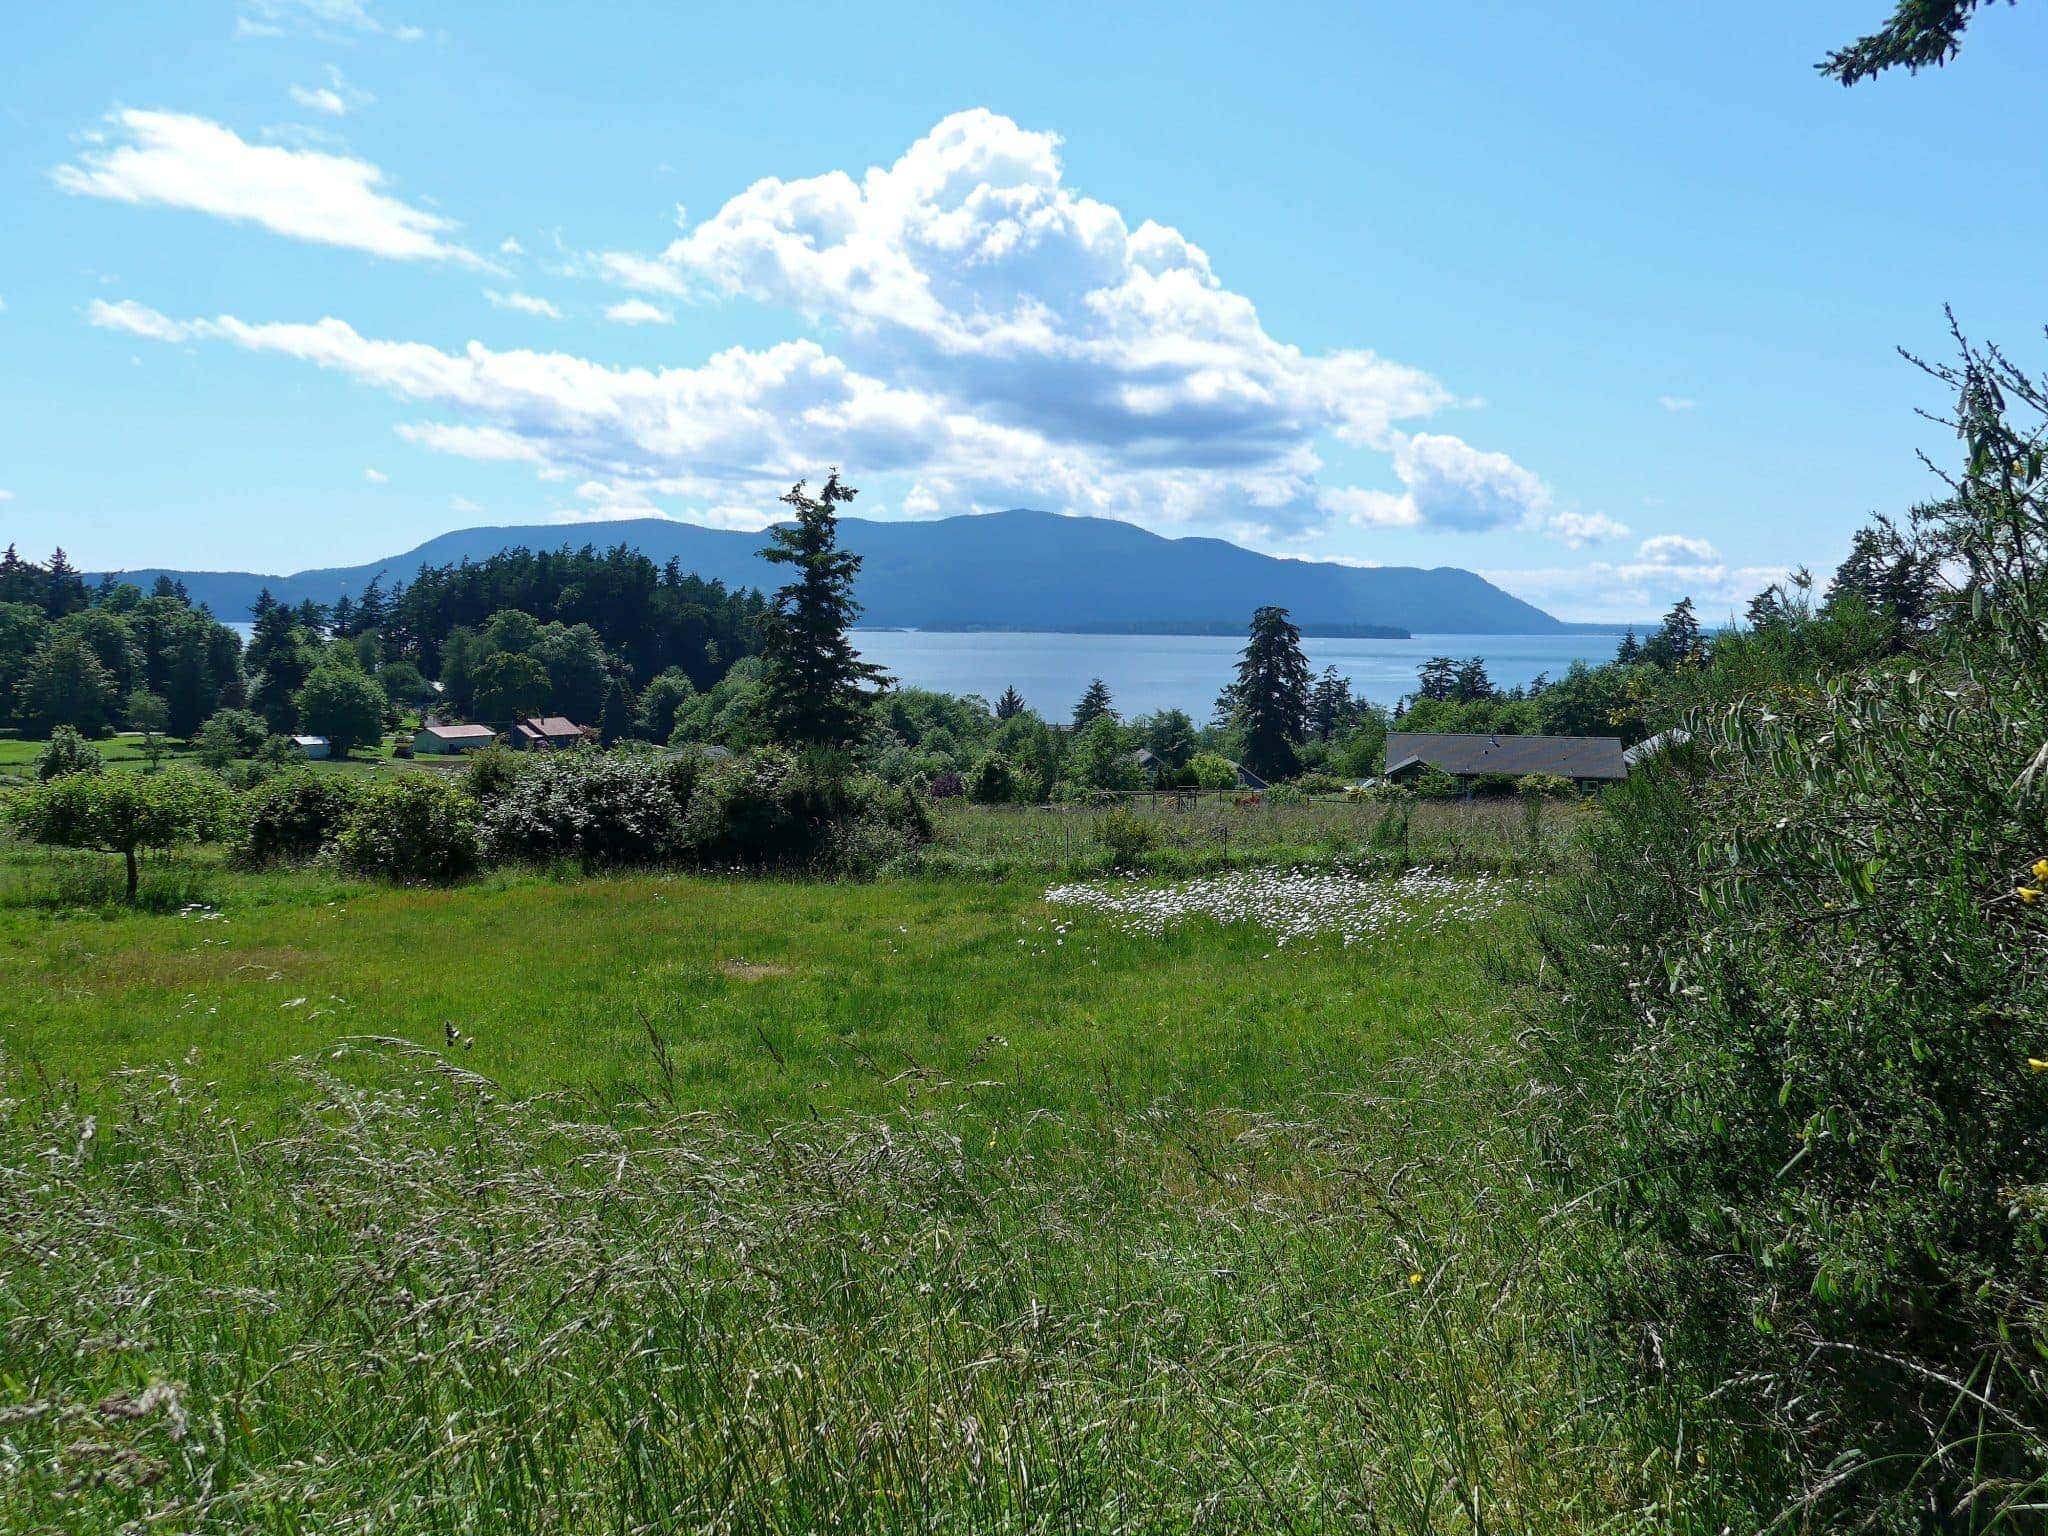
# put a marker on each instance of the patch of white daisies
(1293, 904)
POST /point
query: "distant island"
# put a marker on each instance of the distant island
(1016, 570)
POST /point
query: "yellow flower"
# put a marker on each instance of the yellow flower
(2036, 1064)
(2028, 894)
(1416, 1278)
(2041, 869)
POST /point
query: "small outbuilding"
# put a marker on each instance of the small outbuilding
(313, 747)
(546, 733)
(1655, 746)
(1588, 761)
(441, 740)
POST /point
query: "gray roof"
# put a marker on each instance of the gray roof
(1569, 757)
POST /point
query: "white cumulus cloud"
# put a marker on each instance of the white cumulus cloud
(178, 161)
(978, 335)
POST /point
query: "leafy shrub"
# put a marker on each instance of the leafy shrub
(1213, 771)
(230, 734)
(947, 785)
(1434, 784)
(1126, 834)
(768, 808)
(994, 780)
(293, 816)
(491, 772)
(1319, 784)
(1545, 786)
(597, 808)
(66, 752)
(416, 827)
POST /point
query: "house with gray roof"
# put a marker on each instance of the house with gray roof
(1588, 761)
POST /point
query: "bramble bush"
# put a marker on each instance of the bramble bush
(1799, 1033)
(416, 828)
(292, 817)
(66, 752)
(600, 809)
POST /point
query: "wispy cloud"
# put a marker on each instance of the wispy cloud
(1676, 403)
(177, 161)
(639, 312)
(524, 303)
(376, 477)
(335, 20)
(337, 98)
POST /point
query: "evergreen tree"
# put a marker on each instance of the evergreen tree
(1630, 651)
(618, 718)
(1095, 703)
(1330, 706)
(816, 689)
(1437, 679)
(1472, 682)
(1272, 693)
(65, 684)
(1010, 705)
(65, 586)
(1678, 642)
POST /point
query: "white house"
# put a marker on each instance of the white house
(314, 746)
(432, 739)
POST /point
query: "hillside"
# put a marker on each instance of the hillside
(1018, 570)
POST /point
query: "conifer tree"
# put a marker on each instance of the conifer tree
(1095, 703)
(1272, 694)
(816, 689)
(1010, 705)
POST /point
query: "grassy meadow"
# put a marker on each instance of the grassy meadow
(770, 1205)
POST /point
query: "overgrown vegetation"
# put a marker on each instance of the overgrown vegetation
(1799, 994)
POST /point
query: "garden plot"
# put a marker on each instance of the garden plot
(1293, 904)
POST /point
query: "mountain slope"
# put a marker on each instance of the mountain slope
(1006, 570)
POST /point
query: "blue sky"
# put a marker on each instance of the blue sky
(1599, 299)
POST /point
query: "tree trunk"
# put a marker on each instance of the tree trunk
(129, 855)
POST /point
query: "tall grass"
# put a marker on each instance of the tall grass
(426, 1306)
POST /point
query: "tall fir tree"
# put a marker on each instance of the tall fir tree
(1630, 651)
(816, 690)
(1095, 703)
(1272, 694)
(1010, 705)
(1330, 706)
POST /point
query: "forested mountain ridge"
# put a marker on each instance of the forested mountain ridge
(1020, 569)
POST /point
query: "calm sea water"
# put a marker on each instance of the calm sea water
(1150, 672)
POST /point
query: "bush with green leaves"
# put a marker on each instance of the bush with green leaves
(772, 809)
(416, 828)
(1798, 1028)
(66, 752)
(293, 817)
(1212, 770)
(344, 704)
(995, 780)
(598, 809)
(1126, 834)
(230, 734)
(1434, 784)
(122, 813)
